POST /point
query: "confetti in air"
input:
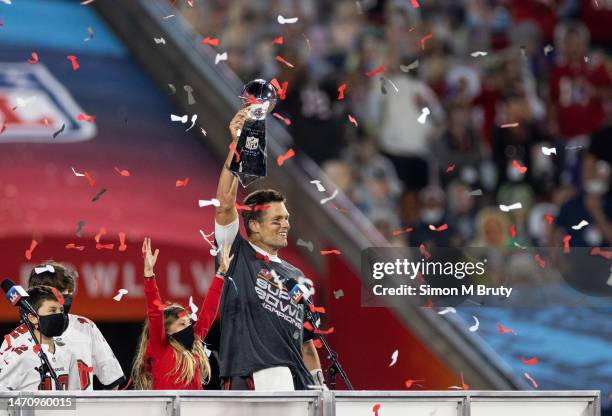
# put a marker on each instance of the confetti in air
(424, 113)
(317, 183)
(326, 200)
(474, 327)
(205, 202)
(220, 57)
(120, 294)
(580, 225)
(306, 244)
(34, 59)
(283, 20)
(410, 67)
(549, 150)
(281, 159)
(508, 208)
(478, 53)
(447, 310)
(394, 358)
(73, 61)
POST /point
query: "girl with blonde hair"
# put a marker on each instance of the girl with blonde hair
(170, 353)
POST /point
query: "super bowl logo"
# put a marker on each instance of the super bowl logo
(251, 143)
(34, 105)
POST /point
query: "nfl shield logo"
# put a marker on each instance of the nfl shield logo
(251, 143)
(34, 105)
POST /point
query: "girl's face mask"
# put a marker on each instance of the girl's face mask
(186, 337)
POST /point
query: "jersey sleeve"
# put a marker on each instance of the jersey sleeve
(105, 365)
(157, 333)
(12, 373)
(209, 308)
(225, 234)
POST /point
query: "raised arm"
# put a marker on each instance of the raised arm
(227, 188)
(157, 333)
(210, 307)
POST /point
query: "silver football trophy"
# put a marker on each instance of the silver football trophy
(250, 164)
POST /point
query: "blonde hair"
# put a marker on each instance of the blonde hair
(186, 360)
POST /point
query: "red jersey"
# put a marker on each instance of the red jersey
(159, 351)
(579, 112)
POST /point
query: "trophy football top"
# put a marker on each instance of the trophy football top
(259, 90)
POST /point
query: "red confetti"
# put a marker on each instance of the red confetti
(513, 231)
(502, 330)
(531, 361)
(182, 313)
(424, 251)
(450, 168)
(415, 4)
(89, 179)
(376, 71)
(282, 158)
(549, 218)
(58, 296)
(283, 119)
(324, 331)
(281, 90)
(409, 383)
(341, 89)
(75, 247)
(425, 39)
(85, 117)
(282, 60)
(122, 246)
(34, 59)
(232, 147)
(509, 125)
(261, 207)
(533, 382)
(316, 309)
(122, 172)
(182, 183)
(443, 227)
(516, 165)
(105, 246)
(463, 384)
(352, 120)
(596, 251)
(317, 343)
(210, 41)
(334, 206)
(243, 207)
(376, 408)
(263, 257)
(279, 40)
(28, 252)
(541, 262)
(327, 252)
(73, 60)
(308, 326)
(566, 245)
(36, 348)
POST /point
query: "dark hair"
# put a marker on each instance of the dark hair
(39, 294)
(258, 198)
(63, 279)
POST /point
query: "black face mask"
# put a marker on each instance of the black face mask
(67, 304)
(185, 337)
(52, 325)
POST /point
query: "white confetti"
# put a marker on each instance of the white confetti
(220, 57)
(478, 53)
(533, 382)
(394, 358)
(182, 119)
(320, 187)
(167, 17)
(474, 327)
(307, 244)
(476, 192)
(193, 308)
(206, 202)
(324, 200)
(160, 40)
(408, 68)
(549, 150)
(282, 20)
(120, 294)
(548, 49)
(47, 268)
(423, 117)
(338, 293)
(77, 173)
(508, 208)
(580, 225)
(203, 131)
(193, 120)
(447, 310)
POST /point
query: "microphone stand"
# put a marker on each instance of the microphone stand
(45, 366)
(334, 367)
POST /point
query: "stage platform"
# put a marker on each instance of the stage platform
(312, 403)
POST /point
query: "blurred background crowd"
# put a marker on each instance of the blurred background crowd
(509, 85)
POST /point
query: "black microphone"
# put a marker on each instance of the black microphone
(17, 295)
(298, 292)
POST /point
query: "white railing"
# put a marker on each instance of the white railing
(312, 403)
